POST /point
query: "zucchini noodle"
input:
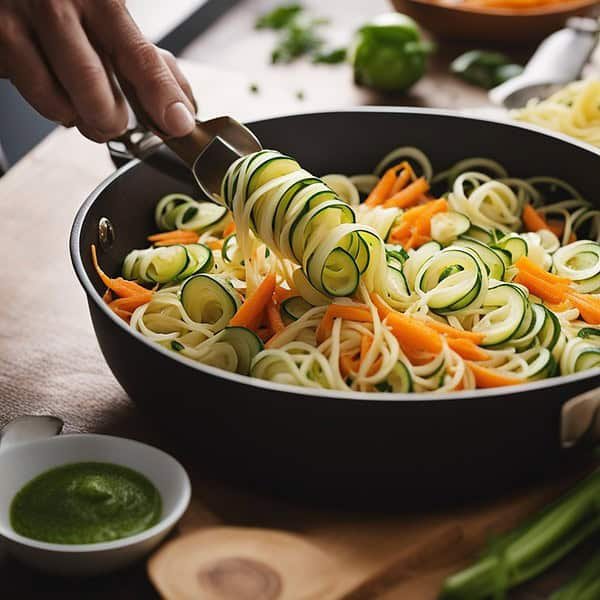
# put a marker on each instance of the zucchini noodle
(299, 280)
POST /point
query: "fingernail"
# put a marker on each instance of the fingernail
(179, 119)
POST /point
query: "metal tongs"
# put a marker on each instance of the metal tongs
(208, 151)
(559, 60)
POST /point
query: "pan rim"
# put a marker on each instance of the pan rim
(330, 395)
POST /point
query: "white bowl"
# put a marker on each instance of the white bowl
(19, 463)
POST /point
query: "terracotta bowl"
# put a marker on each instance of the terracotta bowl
(495, 25)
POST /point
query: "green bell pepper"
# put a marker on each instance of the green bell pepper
(389, 53)
(485, 69)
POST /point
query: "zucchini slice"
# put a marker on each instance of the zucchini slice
(551, 330)
(398, 286)
(293, 308)
(447, 226)
(230, 251)
(340, 274)
(480, 234)
(271, 169)
(200, 260)
(580, 261)
(515, 245)
(398, 381)
(246, 345)
(451, 280)
(209, 299)
(162, 265)
(179, 211)
(506, 307)
(492, 259)
(199, 216)
(591, 333)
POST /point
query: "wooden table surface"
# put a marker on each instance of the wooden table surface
(50, 362)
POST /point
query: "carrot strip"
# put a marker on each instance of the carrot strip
(588, 307)
(121, 287)
(384, 187)
(415, 226)
(274, 316)
(491, 378)
(413, 335)
(173, 243)
(124, 314)
(251, 311)
(359, 313)
(555, 294)
(365, 344)
(215, 244)
(375, 367)
(130, 303)
(533, 220)
(451, 332)
(467, 349)
(264, 333)
(282, 293)
(556, 226)
(551, 288)
(526, 264)
(561, 307)
(347, 364)
(170, 238)
(351, 313)
(403, 178)
(229, 229)
(409, 196)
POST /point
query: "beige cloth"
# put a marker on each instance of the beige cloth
(49, 358)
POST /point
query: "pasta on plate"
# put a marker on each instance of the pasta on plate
(573, 110)
(402, 280)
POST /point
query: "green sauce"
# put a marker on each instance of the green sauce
(85, 503)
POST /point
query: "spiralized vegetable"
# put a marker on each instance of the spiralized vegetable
(573, 110)
(485, 280)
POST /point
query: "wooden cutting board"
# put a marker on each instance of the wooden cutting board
(276, 551)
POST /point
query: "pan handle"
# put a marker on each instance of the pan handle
(580, 419)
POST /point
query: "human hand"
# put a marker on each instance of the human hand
(64, 57)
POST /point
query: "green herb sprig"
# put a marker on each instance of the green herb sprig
(298, 35)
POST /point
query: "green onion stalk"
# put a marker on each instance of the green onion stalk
(585, 585)
(532, 548)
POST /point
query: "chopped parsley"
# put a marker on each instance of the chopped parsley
(298, 35)
(280, 17)
(330, 57)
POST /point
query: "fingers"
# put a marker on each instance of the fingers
(143, 68)
(24, 66)
(181, 79)
(101, 112)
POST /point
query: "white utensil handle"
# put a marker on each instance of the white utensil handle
(580, 419)
(29, 428)
(564, 53)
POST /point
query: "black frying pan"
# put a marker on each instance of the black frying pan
(333, 446)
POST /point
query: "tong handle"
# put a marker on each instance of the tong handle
(187, 148)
